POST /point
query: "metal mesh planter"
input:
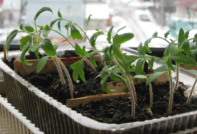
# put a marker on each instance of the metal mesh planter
(53, 117)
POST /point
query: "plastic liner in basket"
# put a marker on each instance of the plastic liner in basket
(53, 117)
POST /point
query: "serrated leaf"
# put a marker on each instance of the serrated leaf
(46, 31)
(42, 10)
(9, 38)
(21, 26)
(166, 34)
(75, 33)
(109, 35)
(169, 64)
(59, 14)
(47, 46)
(153, 76)
(33, 48)
(116, 51)
(169, 50)
(154, 35)
(141, 50)
(128, 60)
(41, 63)
(120, 29)
(181, 37)
(186, 35)
(119, 39)
(59, 25)
(89, 19)
(78, 70)
(139, 66)
(92, 60)
(29, 28)
(161, 68)
(22, 58)
(80, 51)
(24, 41)
(183, 59)
(94, 37)
(53, 22)
(186, 48)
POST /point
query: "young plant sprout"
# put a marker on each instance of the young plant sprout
(175, 51)
(33, 42)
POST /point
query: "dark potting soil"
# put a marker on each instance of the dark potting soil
(119, 110)
(51, 84)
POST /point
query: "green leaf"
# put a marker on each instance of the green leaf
(153, 76)
(154, 35)
(128, 60)
(33, 48)
(79, 51)
(186, 48)
(21, 26)
(41, 63)
(151, 63)
(104, 85)
(169, 50)
(9, 38)
(161, 68)
(119, 39)
(55, 47)
(78, 70)
(24, 41)
(183, 59)
(109, 35)
(105, 50)
(59, 25)
(59, 14)
(114, 76)
(92, 60)
(47, 46)
(141, 50)
(89, 19)
(94, 37)
(75, 33)
(97, 30)
(195, 39)
(22, 58)
(193, 71)
(186, 35)
(67, 25)
(193, 53)
(107, 57)
(116, 51)
(42, 10)
(169, 64)
(35, 42)
(53, 22)
(120, 29)
(181, 37)
(139, 66)
(166, 34)
(46, 31)
(37, 54)
(147, 49)
(29, 28)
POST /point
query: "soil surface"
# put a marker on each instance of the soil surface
(51, 84)
(119, 110)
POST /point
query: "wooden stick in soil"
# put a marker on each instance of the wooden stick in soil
(4, 50)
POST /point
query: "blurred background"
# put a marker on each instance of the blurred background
(141, 17)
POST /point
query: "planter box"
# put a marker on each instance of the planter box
(53, 117)
(13, 122)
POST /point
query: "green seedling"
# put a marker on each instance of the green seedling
(179, 52)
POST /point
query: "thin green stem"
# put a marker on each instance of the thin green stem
(68, 76)
(177, 77)
(171, 91)
(36, 27)
(190, 95)
(151, 95)
(162, 39)
(129, 88)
